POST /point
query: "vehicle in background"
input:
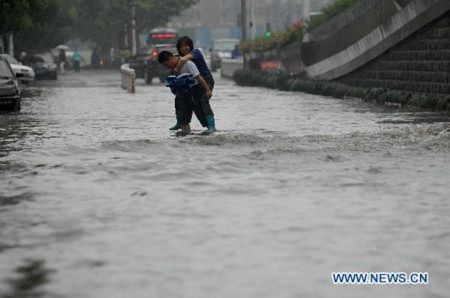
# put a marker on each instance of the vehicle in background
(206, 56)
(9, 87)
(44, 67)
(24, 73)
(145, 63)
(222, 49)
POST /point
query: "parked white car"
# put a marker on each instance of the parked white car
(9, 88)
(25, 73)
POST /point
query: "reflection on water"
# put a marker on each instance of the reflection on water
(31, 276)
(291, 188)
(13, 200)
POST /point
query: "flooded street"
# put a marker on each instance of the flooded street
(107, 202)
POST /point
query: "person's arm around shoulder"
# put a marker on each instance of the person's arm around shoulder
(181, 62)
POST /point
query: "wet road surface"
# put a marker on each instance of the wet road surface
(99, 199)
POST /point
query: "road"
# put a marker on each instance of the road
(100, 199)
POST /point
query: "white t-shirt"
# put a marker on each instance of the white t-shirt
(189, 67)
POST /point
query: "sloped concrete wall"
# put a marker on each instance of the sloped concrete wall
(343, 30)
(399, 20)
(421, 63)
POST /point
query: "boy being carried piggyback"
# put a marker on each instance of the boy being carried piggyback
(187, 86)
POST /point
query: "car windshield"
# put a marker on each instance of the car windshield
(37, 59)
(162, 38)
(11, 59)
(41, 58)
(5, 72)
(225, 45)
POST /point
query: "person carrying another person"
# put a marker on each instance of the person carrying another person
(186, 50)
(189, 87)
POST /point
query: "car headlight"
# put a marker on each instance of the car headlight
(5, 91)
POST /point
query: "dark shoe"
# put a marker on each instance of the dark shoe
(177, 126)
(185, 130)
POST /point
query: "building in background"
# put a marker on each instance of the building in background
(209, 20)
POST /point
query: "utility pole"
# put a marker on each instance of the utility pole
(252, 33)
(133, 29)
(244, 19)
(125, 40)
(306, 9)
(244, 27)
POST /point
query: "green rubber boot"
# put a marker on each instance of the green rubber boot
(211, 125)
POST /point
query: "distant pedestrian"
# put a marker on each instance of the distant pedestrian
(236, 53)
(95, 58)
(24, 58)
(62, 60)
(76, 60)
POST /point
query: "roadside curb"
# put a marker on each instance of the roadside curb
(436, 102)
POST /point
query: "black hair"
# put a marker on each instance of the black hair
(182, 41)
(164, 56)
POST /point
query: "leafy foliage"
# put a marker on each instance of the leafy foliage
(106, 21)
(16, 15)
(53, 25)
(42, 24)
(151, 13)
(276, 40)
(328, 12)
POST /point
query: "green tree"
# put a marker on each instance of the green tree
(151, 13)
(17, 15)
(102, 21)
(106, 21)
(52, 26)
(39, 25)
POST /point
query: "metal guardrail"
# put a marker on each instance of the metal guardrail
(128, 78)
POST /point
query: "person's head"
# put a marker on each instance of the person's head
(185, 45)
(167, 59)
